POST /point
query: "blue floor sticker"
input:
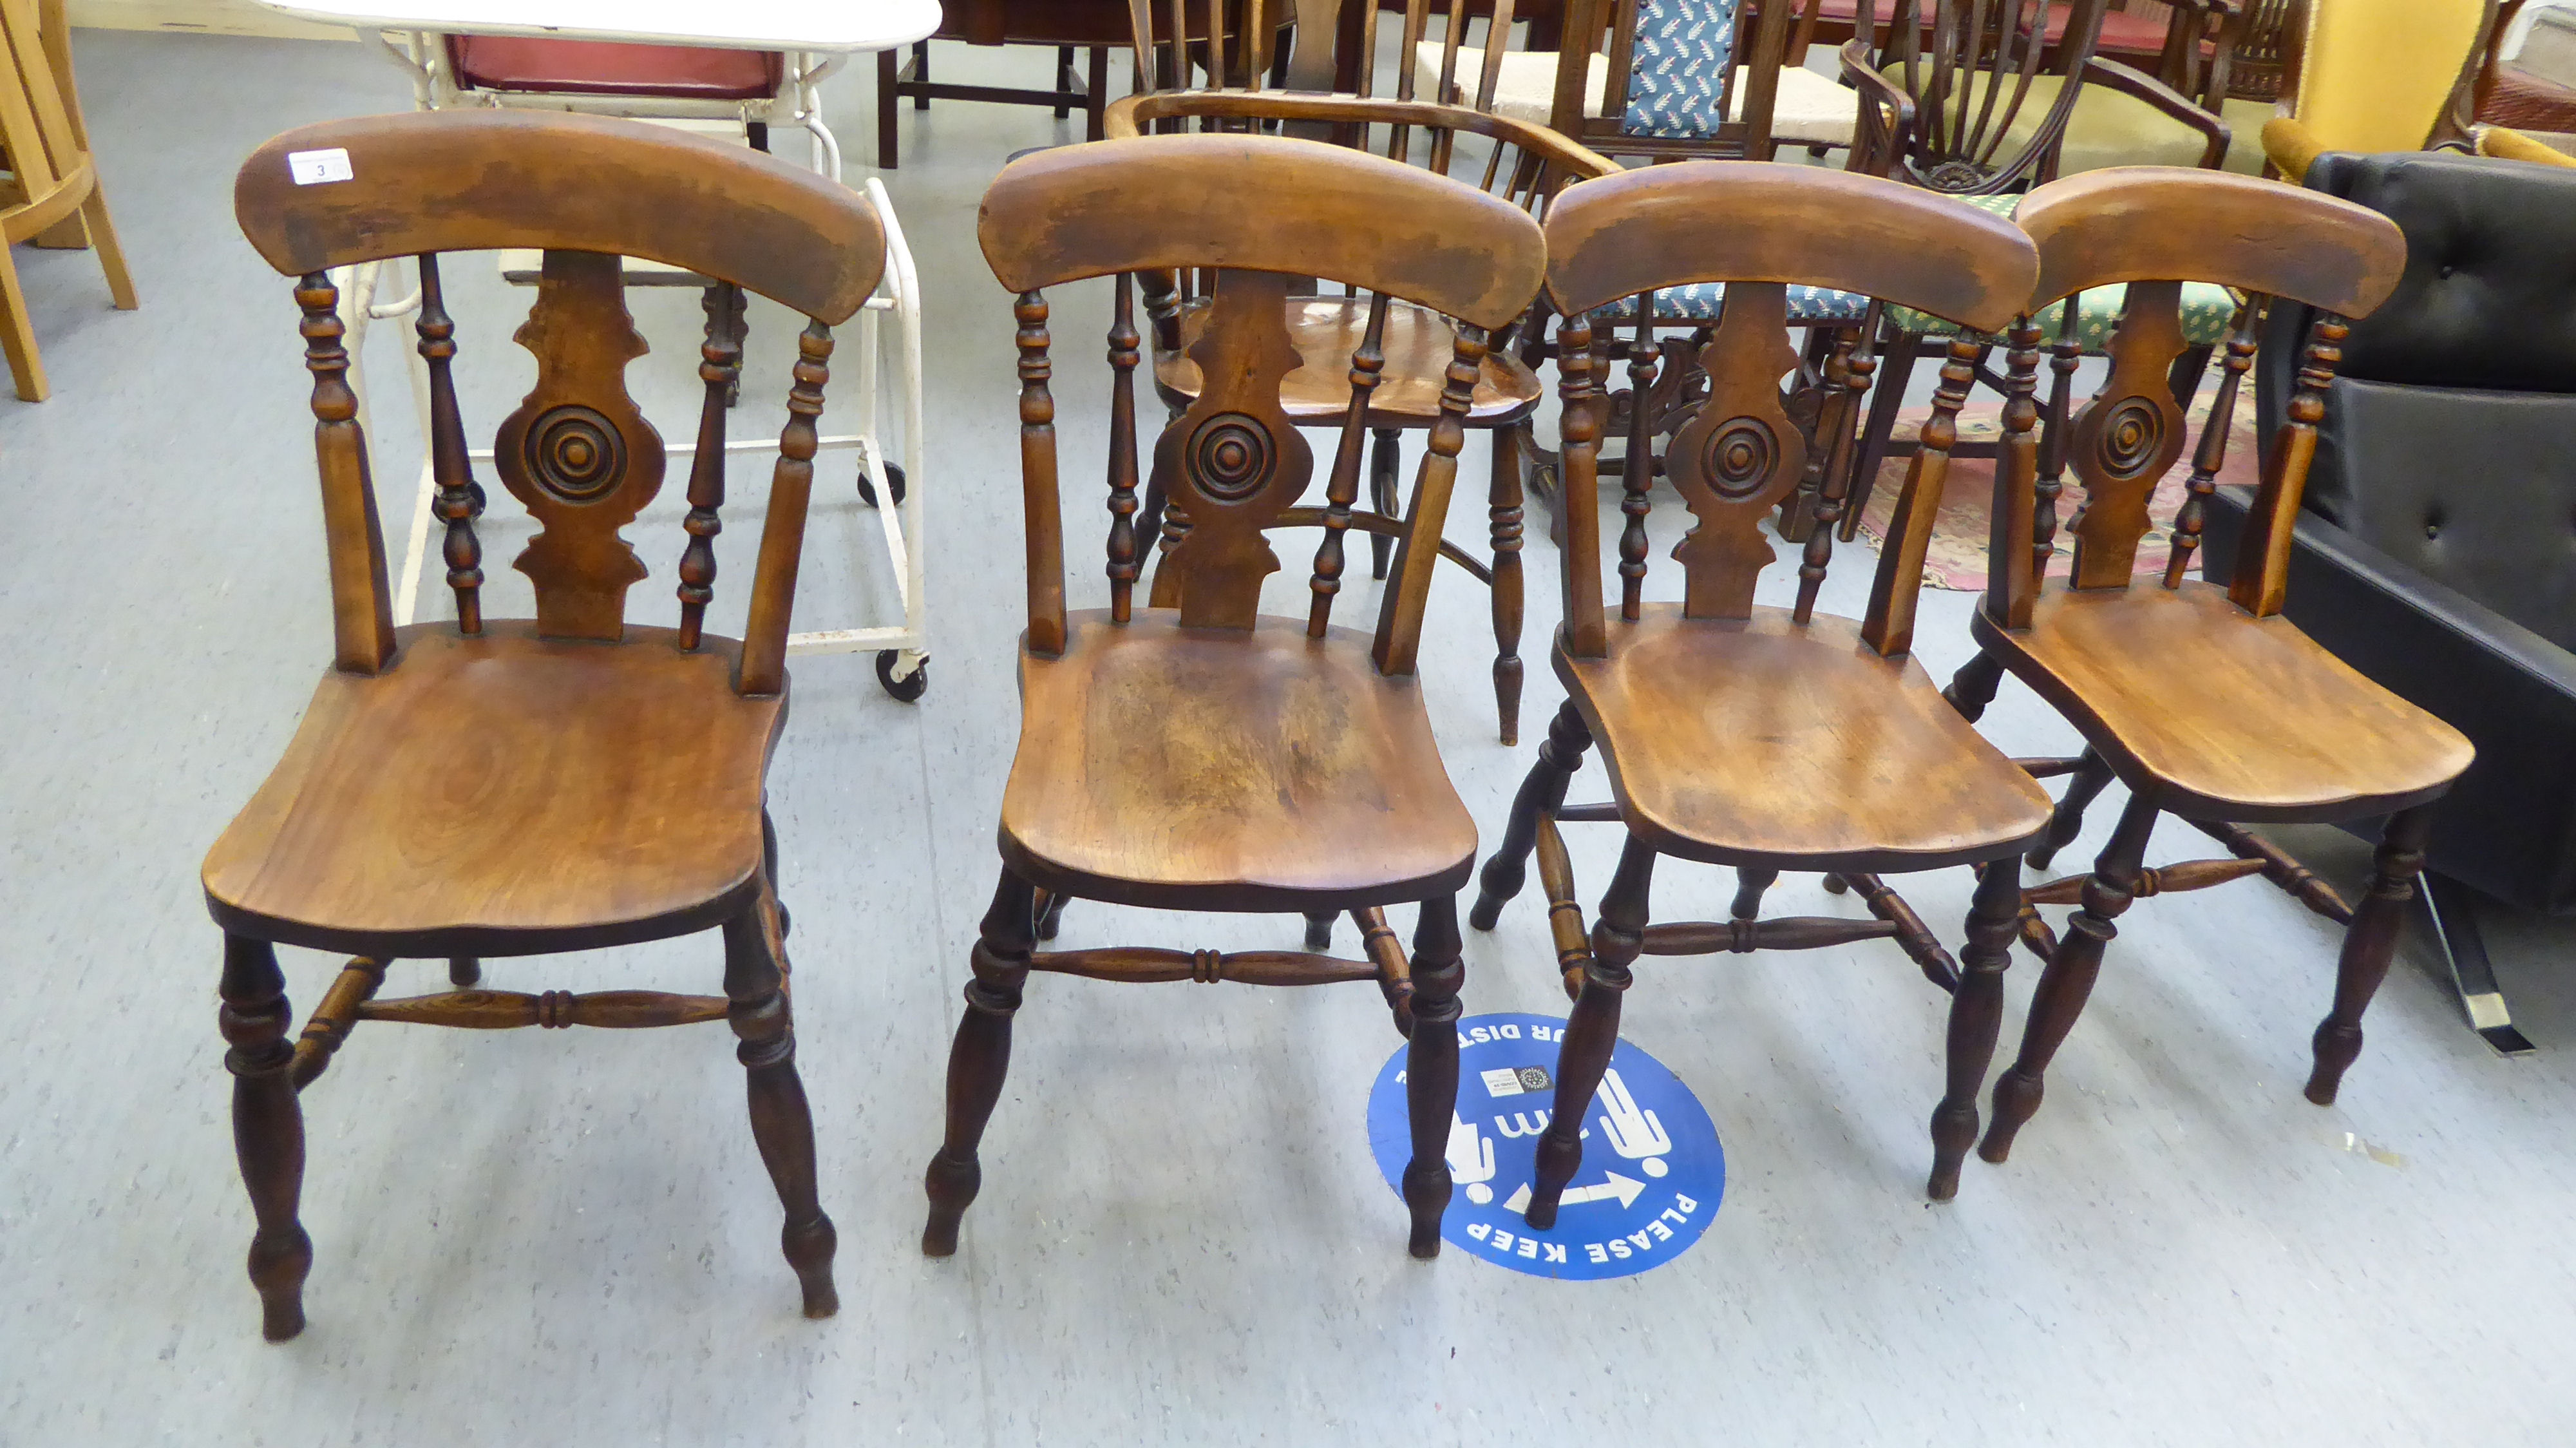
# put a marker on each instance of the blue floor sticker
(1652, 1169)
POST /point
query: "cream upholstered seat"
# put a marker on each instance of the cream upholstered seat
(1808, 109)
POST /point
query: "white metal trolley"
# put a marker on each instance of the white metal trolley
(815, 40)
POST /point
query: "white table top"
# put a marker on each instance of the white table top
(814, 25)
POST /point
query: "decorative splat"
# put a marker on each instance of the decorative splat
(1739, 455)
(2127, 437)
(578, 452)
(1232, 463)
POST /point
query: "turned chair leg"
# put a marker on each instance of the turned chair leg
(2067, 820)
(2368, 945)
(1384, 495)
(755, 980)
(2067, 980)
(1505, 512)
(1973, 687)
(464, 971)
(1319, 929)
(1431, 1068)
(1541, 792)
(1750, 882)
(1976, 1019)
(1592, 1032)
(980, 1058)
(268, 1129)
(1050, 913)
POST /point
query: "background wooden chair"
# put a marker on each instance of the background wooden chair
(1966, 104)
(2204, 701)
(49, 189)
(631, 757)
(1764, 738)
(1520, 163)
(1194, 754)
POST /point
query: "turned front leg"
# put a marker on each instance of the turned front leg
(1383, 495)
(1592, 1032)
(1431, 1068)
(1505, 514)
(2368, 945)
(980, 1058)
(781, 1122)
(1976, 1019)
(2067, 981)
(1541, 792)
(268, 1129)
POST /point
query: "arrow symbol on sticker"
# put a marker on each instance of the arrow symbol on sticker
(1612, 1186)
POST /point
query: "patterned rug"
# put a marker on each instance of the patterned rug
(1957, 559)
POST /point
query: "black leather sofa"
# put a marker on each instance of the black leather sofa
(2437, 548)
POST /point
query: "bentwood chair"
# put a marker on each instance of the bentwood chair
(2204, 701)
(459, 791)
(1193, 753)
(1519, 163)
(49, 190)
(1765, 738)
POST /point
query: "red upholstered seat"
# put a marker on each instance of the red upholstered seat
(609, 68)
(2125, 37)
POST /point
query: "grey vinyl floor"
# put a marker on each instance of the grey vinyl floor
(1182, 1239)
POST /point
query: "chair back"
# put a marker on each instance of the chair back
(50, 170)
(2155, 228)
(1756, 228)
(1672, 67)
(2385, 75)
(1417, 124)
(1968, 76)
(578, 452)
(1253, 212)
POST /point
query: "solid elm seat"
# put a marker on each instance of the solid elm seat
(1329, 328)
(600, 67)
(407, 803)
(1124, 735)
(2325, 735)
(1864, 766)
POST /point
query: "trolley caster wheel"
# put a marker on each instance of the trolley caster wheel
(894, 480)
(908, 688)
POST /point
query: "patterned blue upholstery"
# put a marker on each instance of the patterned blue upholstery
(1698, 302)
(1684, 49)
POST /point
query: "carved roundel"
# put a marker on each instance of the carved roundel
(2132, 437)
(1231, 457)
(574, 453)
(1739, 457)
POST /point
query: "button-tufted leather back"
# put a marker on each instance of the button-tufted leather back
(2447, 438)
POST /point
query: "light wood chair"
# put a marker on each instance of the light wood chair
(1765, 738)
(2205, 702)
(569, 782)
(1194, 754)
(49, 192)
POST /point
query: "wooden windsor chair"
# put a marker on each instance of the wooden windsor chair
(435, 757)
(1193, 754)
(1520, 163)
(1972, 102)
(1765, 738)
(49, 192)
(2205, 702)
